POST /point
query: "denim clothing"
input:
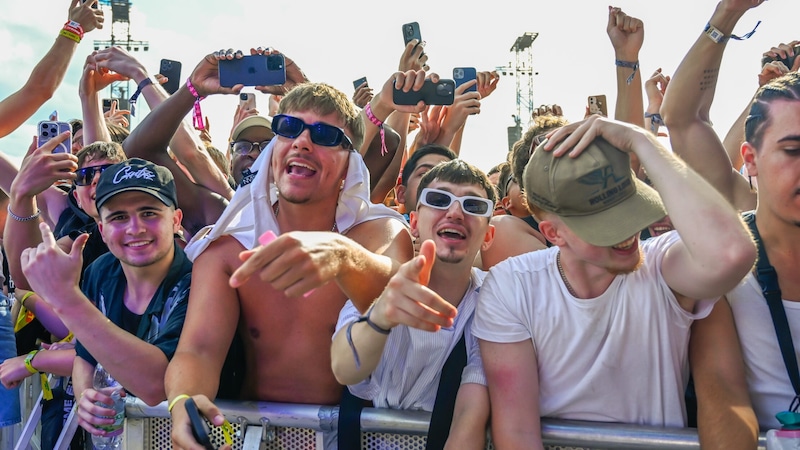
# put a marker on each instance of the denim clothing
(10, 412)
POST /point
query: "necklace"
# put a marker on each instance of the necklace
(563, 275)
(276, 209)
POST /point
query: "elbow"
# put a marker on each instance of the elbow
(153, 397)
(736, 262)
(344, 370)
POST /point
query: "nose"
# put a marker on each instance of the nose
(455, 210)
(134, 225)
(303, 141)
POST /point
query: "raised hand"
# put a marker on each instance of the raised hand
(414, 57)
(487, 83)
(41, 168)
(294, 74)
(84, 13)
(626, 34)
(362, 95)
(655, 87)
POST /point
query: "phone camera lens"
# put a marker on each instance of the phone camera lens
(45, 133)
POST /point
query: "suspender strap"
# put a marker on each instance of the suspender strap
(768, 279)
(442, 414)
(349, 429)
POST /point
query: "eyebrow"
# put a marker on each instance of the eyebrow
(141, 209)
(791, 137)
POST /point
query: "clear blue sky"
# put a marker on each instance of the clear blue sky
(338, 42)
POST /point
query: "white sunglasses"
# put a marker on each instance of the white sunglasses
(470, 204)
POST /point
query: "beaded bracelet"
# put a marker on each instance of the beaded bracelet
(197, 118)
(379, 124)
(23, 219)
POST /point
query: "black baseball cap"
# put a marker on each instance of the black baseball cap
(136, 174)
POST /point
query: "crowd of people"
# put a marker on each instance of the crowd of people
(340, 252)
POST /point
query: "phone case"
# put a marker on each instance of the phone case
(462, 75)
(49, 129)
(441, 93)
(172, 70)
(253, 70)
(411, 31)
(247, 100)
(597, 105)
(200, 429)
(359, 82)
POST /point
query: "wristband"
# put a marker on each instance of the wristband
(29, 361)
(70, 35)
(132, 101)
(74, 27)
(23, 219)
(349, 336)
(25, 297)
(718, 37)
(365, 318)
(379, 124)
(197, 118)
(176, 400)
(655, 121)
(631, 64)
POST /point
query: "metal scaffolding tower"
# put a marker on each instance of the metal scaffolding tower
(522, 70)
(120, 13)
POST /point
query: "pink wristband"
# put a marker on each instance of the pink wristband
(379, 124)
(197, 118)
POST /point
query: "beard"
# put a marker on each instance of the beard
(628, 269)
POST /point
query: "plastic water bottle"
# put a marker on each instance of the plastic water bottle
(105, 383)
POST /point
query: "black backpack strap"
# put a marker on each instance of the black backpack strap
(7, 281)
(349, 428)
(768, 279)
(450, 381)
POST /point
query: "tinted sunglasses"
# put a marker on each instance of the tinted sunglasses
(245, 147)
(438, 199)
(85, 176)
(321, 133)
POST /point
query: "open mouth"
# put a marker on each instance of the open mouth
(658, 230)
(137, 244)
(626, 245)
(300, 169)
(450, 233)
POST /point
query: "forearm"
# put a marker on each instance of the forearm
(94, 123)
(629, 106)
(191, 374)
(49, 319)
(470, 417)
(367, 342)
(82, 375)
(735, 138)
(20, 235)
(191, 152)
(455, 143)
(57, 362)
(364, 275)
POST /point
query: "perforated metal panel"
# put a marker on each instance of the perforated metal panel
(386, 441)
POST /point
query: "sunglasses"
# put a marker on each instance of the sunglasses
(85, 176)
(321, 133)
(438, 199)
(245, 147)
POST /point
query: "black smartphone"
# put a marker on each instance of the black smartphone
(172, 70)
(107, 104)
(200, 429)
(441, 93)
(411, 31)
(48, 129)
(462, 75)
(253, 70)
(357, 83)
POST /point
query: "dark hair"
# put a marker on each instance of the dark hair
(76, 125)
(118, 133)
(458, 171)
(110, 151)
(413, 160)
(786, 88)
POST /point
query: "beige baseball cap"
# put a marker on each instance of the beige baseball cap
(252, 121)
(596, 194)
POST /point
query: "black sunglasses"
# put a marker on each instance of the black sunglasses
(321, 133)
(85, 176)
(245, 147)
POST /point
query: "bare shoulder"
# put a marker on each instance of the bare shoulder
(223, 253)
(513, 224)
(512, 237)
(381, 234)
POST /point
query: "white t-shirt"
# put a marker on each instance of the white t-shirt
(407, 376)
(768, 382)
(620, 357)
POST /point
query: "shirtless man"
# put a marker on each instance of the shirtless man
(337, 244)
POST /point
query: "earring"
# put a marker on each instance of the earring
(750, 180)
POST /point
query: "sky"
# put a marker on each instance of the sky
(339, 41)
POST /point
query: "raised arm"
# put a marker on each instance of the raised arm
(688, 101)
(48, 73)
(627, 35)
(715, 251)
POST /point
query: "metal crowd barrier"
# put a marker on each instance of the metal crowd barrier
(284, 426)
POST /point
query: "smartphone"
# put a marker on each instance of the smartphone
(441, 93)
(597, 105)
(411, 31)
(253, 70)
(789, 62)
(357, 83)
(48, 129)
(172, 70)
(200, 429)
(462, 75)
(247, 100)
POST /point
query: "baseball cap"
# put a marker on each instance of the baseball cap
(252, 121)
(596, 194)
(136, 175)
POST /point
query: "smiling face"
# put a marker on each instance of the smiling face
(306, 172)
(138, 228)
(458, 236)
(240, 162)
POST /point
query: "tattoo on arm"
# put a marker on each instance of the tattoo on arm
(709, 80)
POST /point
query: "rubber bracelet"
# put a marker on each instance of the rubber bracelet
(132, 101)
(29, 361)
(70, 35)
(630, 64)
(176, 400)
(23, 219)
(75, 27)
(379, 124)
(197, 118)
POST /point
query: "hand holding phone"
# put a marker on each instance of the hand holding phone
(200, 429)
(247, 100)
(253, 70)
(49, 129)
(597, 105)
(357, 83)
(462, 75)
(439, 93)
(172, 70)
(411, 31)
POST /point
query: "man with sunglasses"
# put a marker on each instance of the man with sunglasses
(389, 355)
(287, 252)
(249, 138)
(597, 327)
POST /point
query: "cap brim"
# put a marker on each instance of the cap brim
(165, 200)
(620, 222)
